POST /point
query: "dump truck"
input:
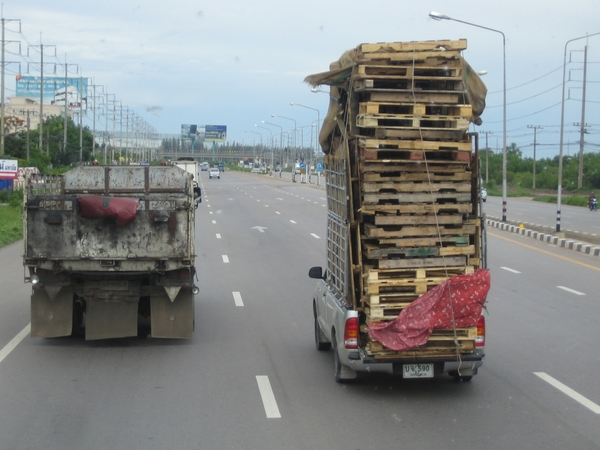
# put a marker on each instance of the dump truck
(406, 281)
(109, 251)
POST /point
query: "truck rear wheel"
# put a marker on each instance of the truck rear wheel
(342, 373)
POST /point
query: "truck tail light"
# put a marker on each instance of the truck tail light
(351, 333)
(480, 339)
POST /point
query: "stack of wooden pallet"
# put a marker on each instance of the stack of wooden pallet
(415, 184)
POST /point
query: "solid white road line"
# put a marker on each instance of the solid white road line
(14, 342)
(570, 392)
(315, 236)
(237, 298)
(572, 291)
(225, 258)
(510, 270)
(268, 398)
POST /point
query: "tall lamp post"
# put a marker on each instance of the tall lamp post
(562, 127)
(270, 140)
(438, 16)
(318, 118)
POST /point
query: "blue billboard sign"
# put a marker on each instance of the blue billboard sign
(215, 133)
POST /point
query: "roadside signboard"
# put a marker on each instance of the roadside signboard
(9, 168)
(215, 133)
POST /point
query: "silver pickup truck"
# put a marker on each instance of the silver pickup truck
(338, 326)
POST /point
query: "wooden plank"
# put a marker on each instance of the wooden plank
(424, 134)
(417, 198)
(414, 144)
(395, 95)
(426, 177)
(400, 121)
(436, 166)
(447, 261)
(430, 57)
(413, 46)
(409, 71)
(408, 110)
(410, 187)
(376, 232)
(378, 252)
(430, 219)
(385, 208)
(427, 241)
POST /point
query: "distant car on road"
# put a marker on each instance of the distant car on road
(214, 173)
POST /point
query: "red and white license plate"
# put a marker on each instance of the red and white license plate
(417, 371)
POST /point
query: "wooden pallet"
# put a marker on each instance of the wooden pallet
(427, 241)
(413, 46)
(424, 72)
(433, 349)
(451, 97)
(408, 85)
(372, 231)
(409, 280)
(399, 121)
(429, 197)
(412, 144)
(408, 167)
(414, 57)
(373, 251)
(369, 187)
(425, 134)
(414, 155)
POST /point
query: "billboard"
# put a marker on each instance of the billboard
(215, 133)
(55, 93)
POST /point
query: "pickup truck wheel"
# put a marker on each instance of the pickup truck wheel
(341, 373)
(321, 341)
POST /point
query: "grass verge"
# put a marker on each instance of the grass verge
(11, 225)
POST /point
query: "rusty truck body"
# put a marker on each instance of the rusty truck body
(108, 248)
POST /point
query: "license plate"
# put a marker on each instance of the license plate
(417, 371)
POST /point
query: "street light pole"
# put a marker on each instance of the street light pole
(562, 127)
(318, 118)
(437, 16)
(280, 138)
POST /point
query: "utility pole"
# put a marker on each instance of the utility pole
(66, 102)
(535, 128)
(582, 124)
(2, 82)
(41, 113)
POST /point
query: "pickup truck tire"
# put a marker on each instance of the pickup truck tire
(342, 374)
(321, 341)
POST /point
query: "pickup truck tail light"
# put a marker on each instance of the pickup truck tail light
(351, 333)
(480, 339)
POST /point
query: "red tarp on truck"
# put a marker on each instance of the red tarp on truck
(122, 209)
(461, 297)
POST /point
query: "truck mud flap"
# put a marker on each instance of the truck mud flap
(172, 319)
(51, 317)
(111, 319)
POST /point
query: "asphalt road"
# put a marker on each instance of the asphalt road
(252, 379)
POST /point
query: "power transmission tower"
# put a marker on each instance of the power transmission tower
(535, 128)
(2, 81)
(66, 100)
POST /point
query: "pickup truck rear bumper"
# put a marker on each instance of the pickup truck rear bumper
(467, 365)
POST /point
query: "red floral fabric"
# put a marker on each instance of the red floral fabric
(462, 294)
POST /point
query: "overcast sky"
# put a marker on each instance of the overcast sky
(235, 63)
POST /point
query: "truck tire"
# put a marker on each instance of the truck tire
(321, 341)
(342, 373)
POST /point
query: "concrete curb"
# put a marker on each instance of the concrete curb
(581, 247)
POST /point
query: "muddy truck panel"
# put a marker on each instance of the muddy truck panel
(106, 246)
